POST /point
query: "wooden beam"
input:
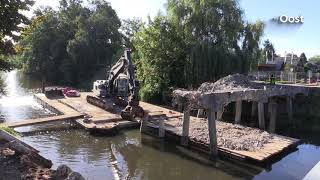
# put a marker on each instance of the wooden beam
(50, 119)
(238, 111)
(185, 128)
(273, 115)
(261, 115)
(212, 133)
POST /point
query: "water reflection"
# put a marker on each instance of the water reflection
(16, 102)
(134, 156)
(122, 157)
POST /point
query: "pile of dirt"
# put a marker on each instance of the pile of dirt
(16, 164)
(231, 136)
(230, 82)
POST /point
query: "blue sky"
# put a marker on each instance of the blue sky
(303, 38)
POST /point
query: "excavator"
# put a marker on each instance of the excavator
(120, 88)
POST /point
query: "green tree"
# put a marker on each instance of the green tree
(73, 40)
(269, 48)
(250, 46)
(129, 27)
(315, 59)
(11, 17)
(207, 39)
(162, 58)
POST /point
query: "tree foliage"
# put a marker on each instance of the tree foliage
(11, 20)
(198, 41)
(315, 59)
(162, 57)
(66, 45)
(268, 49)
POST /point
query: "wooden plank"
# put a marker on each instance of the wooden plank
(42, 99)
(43, 120)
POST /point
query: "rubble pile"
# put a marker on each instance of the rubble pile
(231, 136)
(230, 82)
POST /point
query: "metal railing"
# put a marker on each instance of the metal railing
(286, 77)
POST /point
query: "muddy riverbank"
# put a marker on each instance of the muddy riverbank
(19, 161)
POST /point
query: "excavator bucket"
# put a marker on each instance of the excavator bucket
(131, 112)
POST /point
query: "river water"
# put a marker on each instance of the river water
(131, 155)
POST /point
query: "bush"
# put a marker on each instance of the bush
(150, 94)
(9, 130)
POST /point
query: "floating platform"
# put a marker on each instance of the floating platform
(107, 123)
(101, 121)
(64, 113)
(173, 131)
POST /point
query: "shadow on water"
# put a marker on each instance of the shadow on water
(129, 155)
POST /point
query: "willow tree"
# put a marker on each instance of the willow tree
(219, 41)
(207, 39)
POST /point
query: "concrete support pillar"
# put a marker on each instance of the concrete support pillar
(238, 112)
(219, 114)
(261, 115)
(254, 109)
(212, 133)
(144, 122)
(200, 113)
(289, 108)
(185, 128)
(161, 127)
(273, 115)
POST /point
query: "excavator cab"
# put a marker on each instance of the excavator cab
(121, 86)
